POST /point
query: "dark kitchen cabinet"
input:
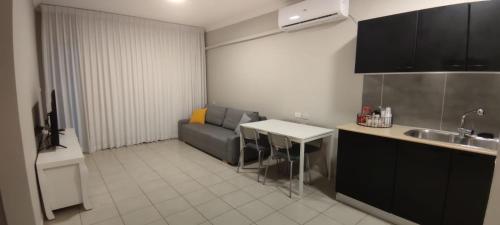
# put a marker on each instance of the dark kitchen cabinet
(366, 167)
(421, 182)
(442, 39)
(386, 44)
(484, 36)
(469, 187)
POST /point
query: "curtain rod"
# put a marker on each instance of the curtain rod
(118, 14)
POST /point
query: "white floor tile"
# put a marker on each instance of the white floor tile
(126, 192)
(277, 200)
(97, 215)
(188, 217)
(199, 197)
(242, 181)
(142, 216)
(276, 219)
(370, 220)
(222, 188)
(158, 222)
(299, 212)
(258, 190)
(188, 187)
(318, 201)
(112, 221)
(213, 208)
(161, 195)
(209, 180)
(232, 217)
(255, 210)
(172, 206)
(345, 214)
(153, 185)
(322, 220)
(237, 198)
(131, 204)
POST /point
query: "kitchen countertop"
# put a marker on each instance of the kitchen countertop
(397, 132)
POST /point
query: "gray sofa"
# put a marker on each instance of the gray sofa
(217, 136)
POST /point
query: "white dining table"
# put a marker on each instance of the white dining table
(298, 133)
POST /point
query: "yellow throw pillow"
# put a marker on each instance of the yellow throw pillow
(198, 116)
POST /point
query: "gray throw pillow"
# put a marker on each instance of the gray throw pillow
(244, 119)
(215, 115)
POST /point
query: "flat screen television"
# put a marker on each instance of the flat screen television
(54, 125)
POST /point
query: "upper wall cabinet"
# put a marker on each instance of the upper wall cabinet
(484, 44)
(386, 44)
(442, 39)
(461, 37)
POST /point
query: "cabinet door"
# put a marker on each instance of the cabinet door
(365, 168)
(469, 188)
(484, 47)
(442, 38)
(386, 44)
(421, 182)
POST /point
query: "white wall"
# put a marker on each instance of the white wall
(28, 89)
(19, 89)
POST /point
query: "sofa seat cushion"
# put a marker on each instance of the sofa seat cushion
(215, 115)
(218, 133)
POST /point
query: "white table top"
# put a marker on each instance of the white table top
(59, 155)
(293, 130)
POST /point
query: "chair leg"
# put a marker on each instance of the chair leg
(308, 168)
(291, 176)
(260, 163)
(239, 161)
(265, 172)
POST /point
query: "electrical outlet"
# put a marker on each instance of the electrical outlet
(298, 115)
(305, 116)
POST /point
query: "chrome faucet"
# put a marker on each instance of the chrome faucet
(464, 131)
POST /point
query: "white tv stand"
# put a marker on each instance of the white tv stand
(63, 175)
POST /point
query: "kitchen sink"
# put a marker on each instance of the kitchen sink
(451, 137)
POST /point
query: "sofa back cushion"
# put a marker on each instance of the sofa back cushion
(215, 115)
(233, 117)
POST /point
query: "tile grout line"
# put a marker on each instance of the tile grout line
(108, 192)
(443, 102)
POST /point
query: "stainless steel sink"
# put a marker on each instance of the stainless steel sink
(451, 137)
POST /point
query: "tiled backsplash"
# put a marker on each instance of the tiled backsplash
(437, 100)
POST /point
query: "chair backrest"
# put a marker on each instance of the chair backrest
(249, 134)
(279, 141)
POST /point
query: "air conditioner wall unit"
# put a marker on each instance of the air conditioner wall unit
(312, 12)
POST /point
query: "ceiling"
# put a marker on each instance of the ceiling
(210, 14)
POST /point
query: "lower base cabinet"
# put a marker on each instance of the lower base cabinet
(468, 188)
(421, 183)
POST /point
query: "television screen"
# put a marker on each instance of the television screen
(54, 126)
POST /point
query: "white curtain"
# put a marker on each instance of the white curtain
(121, 80)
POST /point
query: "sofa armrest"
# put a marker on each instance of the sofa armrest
(179, 128)
(233, 149)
